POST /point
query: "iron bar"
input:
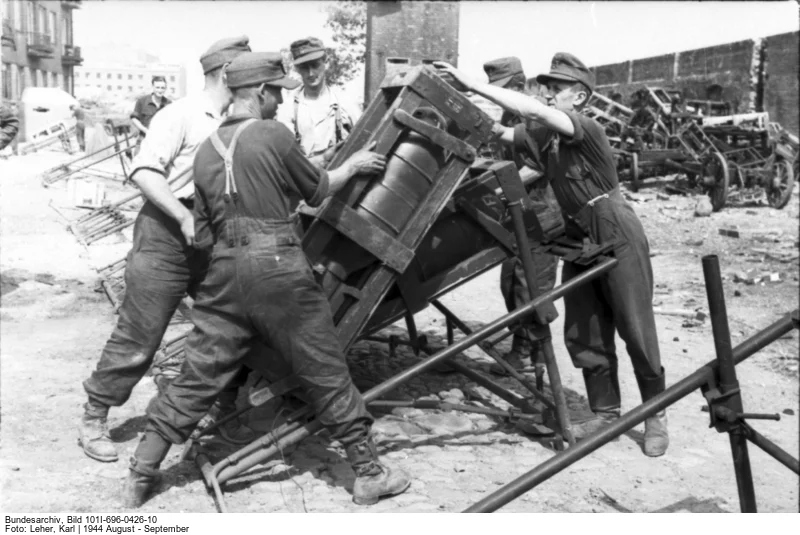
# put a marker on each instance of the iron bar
(627, 421)
(728, 383)
(771, 448)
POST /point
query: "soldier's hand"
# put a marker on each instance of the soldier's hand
(367, 162)
(187, 229)
(467, 81)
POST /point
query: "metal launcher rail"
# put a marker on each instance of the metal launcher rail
(387, 248)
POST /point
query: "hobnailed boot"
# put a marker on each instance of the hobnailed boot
(144, 476)
(373, 479)
(656, 437)
(600, 420)
(602, 389)
(93, 434)
(234, 431)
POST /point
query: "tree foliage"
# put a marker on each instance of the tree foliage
(347, 21)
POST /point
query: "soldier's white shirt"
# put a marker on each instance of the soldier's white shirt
(313, 121)
(173, 138)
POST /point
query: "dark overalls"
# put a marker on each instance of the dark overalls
(513, 284)
(259, 286)
(584, 180)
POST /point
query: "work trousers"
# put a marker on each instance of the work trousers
(161, 269)
(622, 299)
(80, 136)
(514, 285)
(260, 286)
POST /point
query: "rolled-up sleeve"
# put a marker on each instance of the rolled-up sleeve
(581, 124)
(163, 142)
(304, 177)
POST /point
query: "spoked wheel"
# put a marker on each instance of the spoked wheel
(716, 179)
(780, 191)
(635, 183)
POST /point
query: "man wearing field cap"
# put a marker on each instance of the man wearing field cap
(249, 177)
(530, 342)
(579, 165)
(163, 264)
(315, 113)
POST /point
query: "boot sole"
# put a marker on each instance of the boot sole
(96, 457)
(375, 499)
(232, 440)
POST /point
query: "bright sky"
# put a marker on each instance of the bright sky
(597, 32)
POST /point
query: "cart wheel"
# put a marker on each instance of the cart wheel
(634, 172)
(716, 168)
(780, 190)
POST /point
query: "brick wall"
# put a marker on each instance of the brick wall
(734, 67)
(781, 80)
(414, 30)
(658, 69)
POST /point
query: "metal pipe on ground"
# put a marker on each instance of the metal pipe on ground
(629, 420)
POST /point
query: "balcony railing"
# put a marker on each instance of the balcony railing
(71, 4)
(9, 38)
(40, 45)
(72, 55)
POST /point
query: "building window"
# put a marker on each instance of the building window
(130, 89)
(98, 75)
(171, 78)
(172, 90)
(108, 76)
(130, 77)
(141, 77)
(7, 81)
(108, 87)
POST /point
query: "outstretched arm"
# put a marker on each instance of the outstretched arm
(518, 103)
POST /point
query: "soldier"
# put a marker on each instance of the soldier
(529, 343)
(579, 165)
(162, 266)
(249, 177)
(318, 119)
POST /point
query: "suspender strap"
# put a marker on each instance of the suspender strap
(296, 111)
(226, 153)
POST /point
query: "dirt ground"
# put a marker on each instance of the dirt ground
(54, 325)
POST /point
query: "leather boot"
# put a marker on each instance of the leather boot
(234, 431)
(656, 436)
(373, 479)
(143, 476)
(93, 434)
(602, 389)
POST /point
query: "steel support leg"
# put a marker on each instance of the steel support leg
(728, 383)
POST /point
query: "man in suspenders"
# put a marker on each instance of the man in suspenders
(249, 177)
(163, 264)
(318, 120)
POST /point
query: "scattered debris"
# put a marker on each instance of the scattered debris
(729, 232)
(662, 197)
(788, 412)
(693, 243)
(753, 276)
(683, 313)
(751, 212)
(737, 293)
(676, 339)
(675, 189)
